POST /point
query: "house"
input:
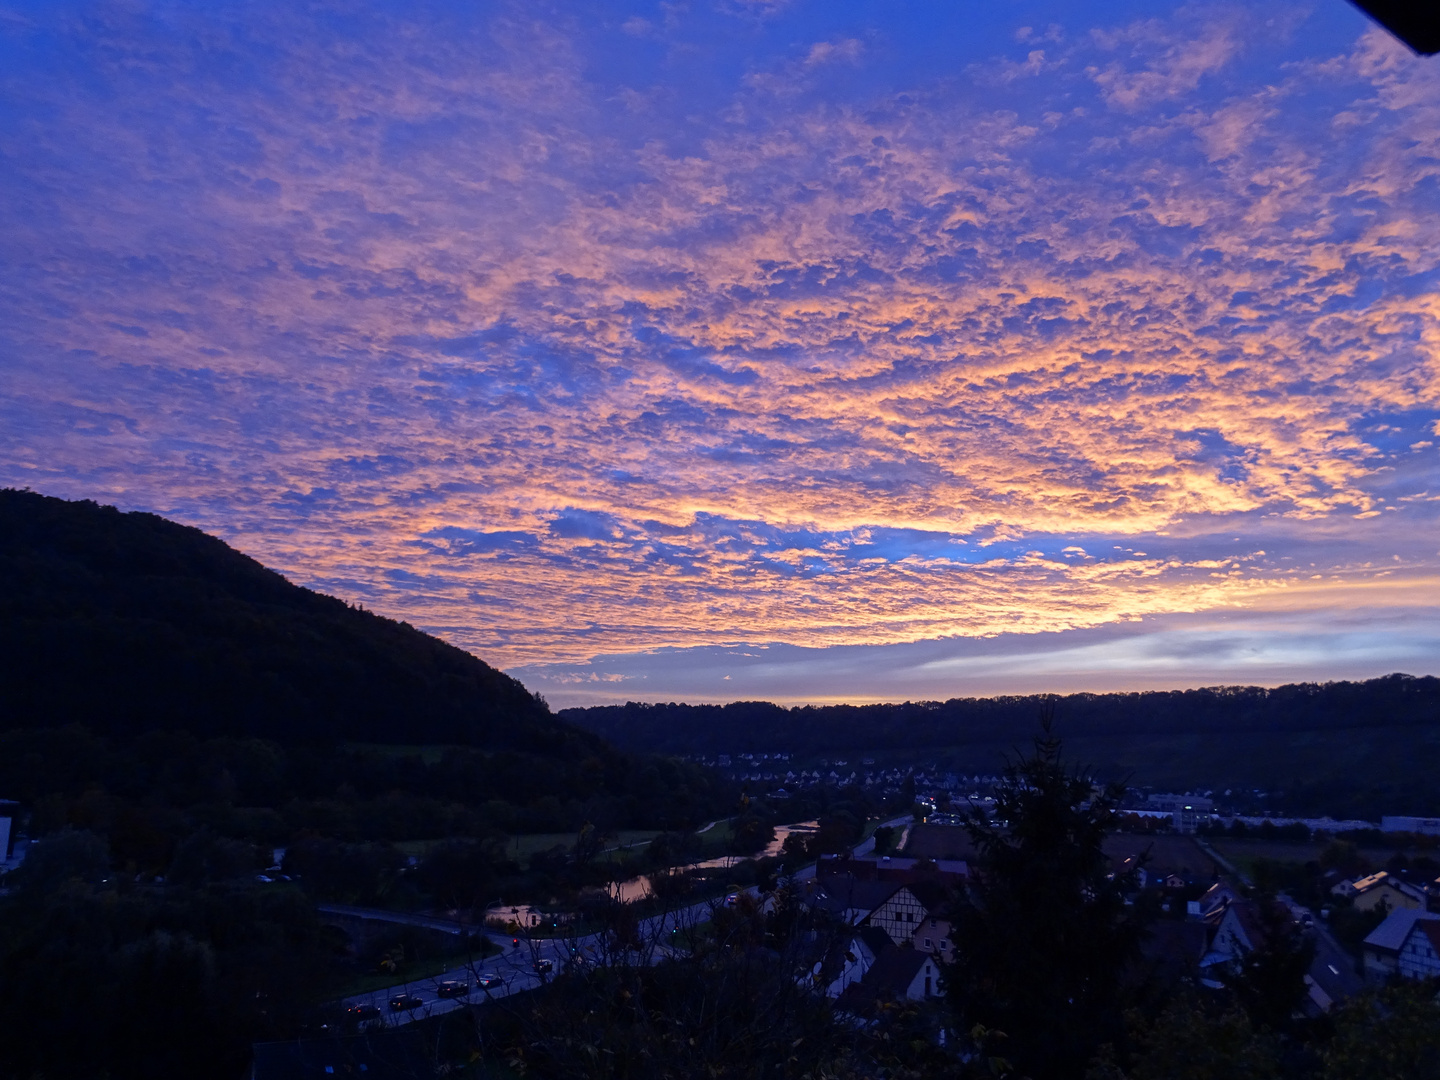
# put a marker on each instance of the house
(899, 868)
(933, 936)
(1238, 930)
(1427, 826)
(906, 909)
(854, 958)
(9, 819)
(1381, 892)
(1219, 895)
(896, 975)
(1419, 956)
(1380, 952)
(1332, 976)
(852, 900)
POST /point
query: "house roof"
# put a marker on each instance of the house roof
(1375, 880)
(1248, 916)
(1218, 894)
(1391, 934)
(895, 970)
(931, 894)
(875, 939)
(838, 892)
(1333, 970)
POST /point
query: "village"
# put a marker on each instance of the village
(1210, 911)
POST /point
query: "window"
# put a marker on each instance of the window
(927, 943)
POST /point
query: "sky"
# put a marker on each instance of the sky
(727, 349)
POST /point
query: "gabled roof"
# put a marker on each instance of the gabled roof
(1333, 970)
(875, 939)
(931, 894)
(895, 970)
(1374, 881)
(1219, 893)
(839, 892)
(1391, 934)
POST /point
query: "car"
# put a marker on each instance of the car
(490, 981)
(544, 966)
(405, 1002)
(452, 988)
(363, 1010)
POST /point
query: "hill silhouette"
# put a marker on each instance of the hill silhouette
(128, 622)
(1346, 748)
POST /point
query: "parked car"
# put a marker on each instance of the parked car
(452, 988)
(405, 1002)
(363, 1010)
(544, 966)
(490, 981)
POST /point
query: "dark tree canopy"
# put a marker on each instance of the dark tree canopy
(1044, 937)
(127, 622)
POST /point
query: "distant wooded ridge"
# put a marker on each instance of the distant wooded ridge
(127, 622)
(1351, 749)
(1394, 701)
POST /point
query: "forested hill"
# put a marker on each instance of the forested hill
(1396, 701)
(127, 622)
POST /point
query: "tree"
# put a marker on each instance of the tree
(1395, 1032)
(1043, 935)
(1269, 982)
(1189, 1041)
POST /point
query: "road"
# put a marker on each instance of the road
(516, 966)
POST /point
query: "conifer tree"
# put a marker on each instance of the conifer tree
(1043, 935)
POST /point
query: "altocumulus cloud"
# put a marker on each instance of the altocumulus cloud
(501, 324)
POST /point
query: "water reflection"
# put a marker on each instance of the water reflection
(637, 888)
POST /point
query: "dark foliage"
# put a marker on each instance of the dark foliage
(1195, 1039)
(100, 977)
(1270, 982)
(148, 795)
(128, 622)
(1043, 938)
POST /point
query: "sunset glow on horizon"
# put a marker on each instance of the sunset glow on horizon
(845, 351)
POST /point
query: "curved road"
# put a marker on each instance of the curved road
(518, 966)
